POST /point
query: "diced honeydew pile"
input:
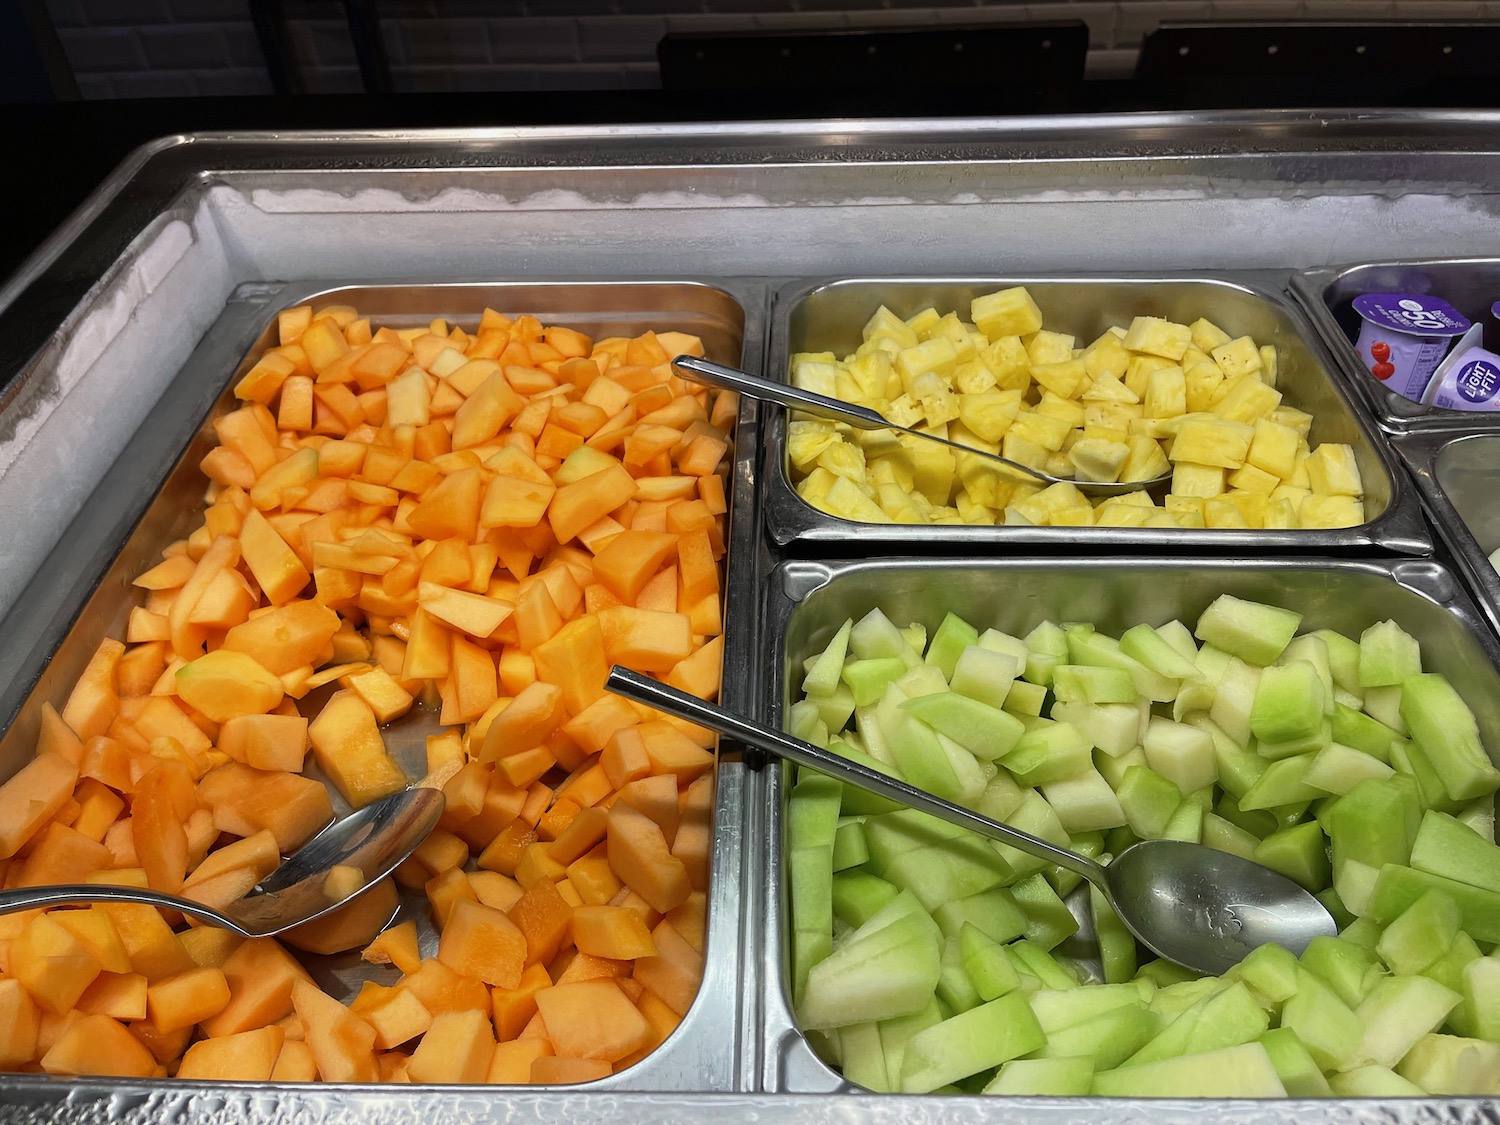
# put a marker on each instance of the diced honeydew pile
(1139, 401)
(926, 958)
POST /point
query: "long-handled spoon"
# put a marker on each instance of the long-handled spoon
(372, 841)
(862, 417)
(1189, 903)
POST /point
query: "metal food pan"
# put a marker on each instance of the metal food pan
(1470, 285)
(807, 601)
(828, 316)
(154, 494)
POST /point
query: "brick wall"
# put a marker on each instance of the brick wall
(156, 48)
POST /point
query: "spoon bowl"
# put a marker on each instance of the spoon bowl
(862, 417)
(1188, 903)
(374, 840)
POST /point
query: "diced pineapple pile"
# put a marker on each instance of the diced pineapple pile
(1134, 404)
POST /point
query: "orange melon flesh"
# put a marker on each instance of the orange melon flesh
(592, 1020)
(481, 942)
(99, 1045)
(249, 1056)
(458, 1047)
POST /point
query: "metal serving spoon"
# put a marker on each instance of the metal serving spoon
(862, 417)
(374, 840)
(1189, 903)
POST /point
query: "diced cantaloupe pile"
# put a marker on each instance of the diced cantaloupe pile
(1140, 401)
(483, 523)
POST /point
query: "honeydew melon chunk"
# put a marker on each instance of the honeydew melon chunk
(924, 679)
(1453, 1065)
(1289, 702)
(1114, 728)
(1303, 744)
(809, 948)
(1113, 770)
(1480, 817)
(856, 801)
(1272, 971)
(824, 674)
(954, 987)
(1234, 697)
(1420, 934)
(971, 773)
(1225, 836)
(1314, 650)
(867, 726)
(1117, 954)
(1372, 1082)
(1108, 1038)
(868, 679)
(973, 1041)
(1062, 1077)
(1046, 648)
(984, 731)
(1283, 783)
(1345, 967)
(948, 642)
(1195, 696)
(1224, 1018)
(915, 747)
(1338, 769)
(1397, 1013)
(1242, 1071)
(1343, 659)
(1254, 632)
(1384, 704)
(1089, 844)
(835, 708)
(1036, 816)
(859, 895)
(1148, 801)
(1356, 729)
(989, 966)
(1375, 823)
(1084, 803)
(810, 873)
(849, 847)
(1332, 903)
(1354, 882)
(1387, 655)
(1481, 998)
(1091, 684)
(1446, 846)
(874, 635)
(1185, 823)
(804, 722)
(1181, 753)
(1397, 887)
(915, 636)
(993, 913)
(956, 870)
(1238, 767)
(888, 967)
(888, 835)
(1448, 971)
(897, 1032)
(1411, 759)
(1048, 750)
(1258, 822)
(1001, 797)
(862, 1056)
(1328, 1029)
(1025, 700)
(1441, 722)
(1056, 1009)
(1151, 648)
(1181, 992)
(1163, 974)
(984, 675)
(812, 815)
(1088, 646)
(1294, 1066)
(1048, 919)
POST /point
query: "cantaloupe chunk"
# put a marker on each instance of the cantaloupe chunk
(395, 946)
(94, 702)
(481, 942)
(295, 1063)
(611, 931)
(511, 1062)
(31, 797)
(525, 722)
(550, 1070)
(96, 932)
(349, 749)
(342, 1044)
(155, 951)
(543, 917)
(266, 742)
(441, 989)
(260, 975)
(121, 996)
(19, 1022)
(162, 801)
(350, 927)
(225, 683)
(675, 972)
(458, 1047)
(245, 801)
(639, 855)
(395, 1013)
(232, 872)
(61, 855)
(101, 1046)
(54, 965)
(249, 1056)
(285, 638)
(187, 998)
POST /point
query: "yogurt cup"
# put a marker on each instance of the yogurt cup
(1404, 336)
(1469, 379)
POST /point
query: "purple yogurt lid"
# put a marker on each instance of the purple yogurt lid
(1411, 314)
(1477, 380)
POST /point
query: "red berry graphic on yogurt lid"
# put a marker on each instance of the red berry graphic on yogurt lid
(1380, 351)
(1383, 370)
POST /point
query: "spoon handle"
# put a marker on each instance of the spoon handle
(29, 898)
(784, 394)
(645, 690)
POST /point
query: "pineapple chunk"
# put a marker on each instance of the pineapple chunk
(1047, 432)
(1177, 503)
(1055, 407)
(972, 511)
(936, 355)
(844, 460)
(1049, 347)
(1298, 420)
(1166, 393)
(934, 467)
(1155, 336)
(973, 377)
(848, 501)
(1207, 335)
(1245, 398)
(1274, 448)
(1018, 447)
(1080, 515)
(1146, 460)
(1008, 363)
(1333, 471)
(872, 373)
(922, 323)
(1281, 513)
(1299, 475)
(1108, 388)
(818, 374)
(989, 414)
(1014, 517)
(956, 333)
(904, 411)
(1212, 441)
(1222, 512)
(814, 487)
(1292, 493)
(1238, 357)
(1138, 371)
(1098, 460)
(896, 502)
(1067, 378)
(1006, 312)
(1189, 479)
(1330, 511)
(1251, 479)
(1195, 355)
(890, 326)
(877, 443)
(1122, 515)
(1106, 356)
(939, 404)
(1268, 365)
(806, 440)
(1252, 506)
(1202, 381)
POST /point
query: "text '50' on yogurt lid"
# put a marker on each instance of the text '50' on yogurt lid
(1413, 314)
